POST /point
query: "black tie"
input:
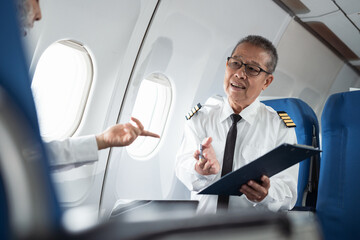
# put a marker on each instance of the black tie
(223, 201)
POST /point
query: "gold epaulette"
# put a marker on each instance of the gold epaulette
(193, 111)
(287, 120)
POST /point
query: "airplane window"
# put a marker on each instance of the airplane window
(151, 107)
(61, 85)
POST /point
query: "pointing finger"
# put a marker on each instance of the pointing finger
(149, 134)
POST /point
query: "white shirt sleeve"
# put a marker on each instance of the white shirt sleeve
(76, 150)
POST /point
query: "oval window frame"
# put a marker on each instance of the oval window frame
(78, 113)
(157, 122)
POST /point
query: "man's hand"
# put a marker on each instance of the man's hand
(208, 164)
(121, 135)
(254, 191)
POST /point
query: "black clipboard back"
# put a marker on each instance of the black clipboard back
(273, 162)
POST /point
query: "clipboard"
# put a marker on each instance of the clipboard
(273, 162)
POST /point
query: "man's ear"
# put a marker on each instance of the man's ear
(268, 81)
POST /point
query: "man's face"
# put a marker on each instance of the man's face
(241, 88)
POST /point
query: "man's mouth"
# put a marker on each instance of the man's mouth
(240, 86)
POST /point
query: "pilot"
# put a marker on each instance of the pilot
(80, 150)
(234, 132)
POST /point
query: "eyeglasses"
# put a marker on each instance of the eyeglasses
(250, 69)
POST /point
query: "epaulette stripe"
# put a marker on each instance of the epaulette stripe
(193, 111)
(286, 119)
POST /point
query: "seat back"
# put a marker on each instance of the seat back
(307, 132)
(4, 216)
(338, 197)
(27, 198)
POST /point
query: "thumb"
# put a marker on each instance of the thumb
(207, 141)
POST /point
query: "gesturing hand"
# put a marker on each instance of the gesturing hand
(208, 164)
(122, 134)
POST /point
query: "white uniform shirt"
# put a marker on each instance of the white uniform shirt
(259, 131)
(72, 151)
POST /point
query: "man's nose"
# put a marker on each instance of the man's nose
(240, 73)
(37, 13)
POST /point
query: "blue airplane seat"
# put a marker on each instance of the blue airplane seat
(20, 128)
(338, 197)
(307, 133)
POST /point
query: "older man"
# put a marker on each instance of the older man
(80, 150)
(244, 126)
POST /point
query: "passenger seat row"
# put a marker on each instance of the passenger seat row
(328, 185)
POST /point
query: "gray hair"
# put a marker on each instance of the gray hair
(265, 44)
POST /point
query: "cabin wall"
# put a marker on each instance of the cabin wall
(307, 69)
(187, 41)
(112, 32)
(190, 47)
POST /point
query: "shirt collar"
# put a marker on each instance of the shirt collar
(226, 110)
(248, 113)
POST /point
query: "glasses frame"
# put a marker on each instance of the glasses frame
(246, 64)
